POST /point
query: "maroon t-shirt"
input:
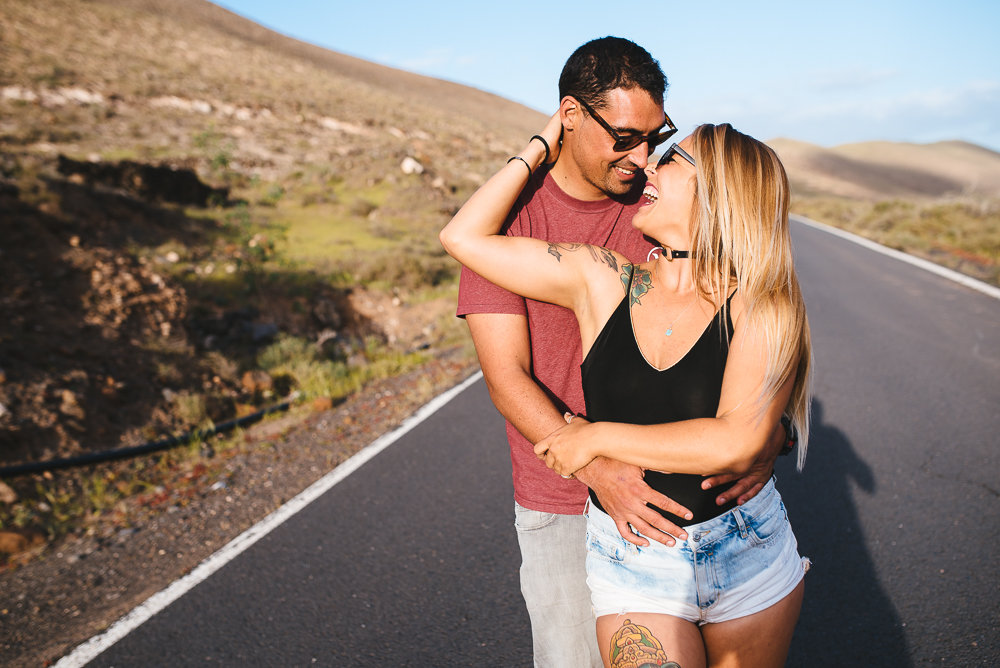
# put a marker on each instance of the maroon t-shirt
(545, 212)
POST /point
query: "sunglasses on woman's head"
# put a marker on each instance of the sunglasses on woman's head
(628, 142)
(674, 149)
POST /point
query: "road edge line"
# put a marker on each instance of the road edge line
(927, 265)
(92, 648)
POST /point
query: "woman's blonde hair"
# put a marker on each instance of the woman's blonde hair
(740, 238)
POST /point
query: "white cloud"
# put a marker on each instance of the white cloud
(847, 79)
(438, 59)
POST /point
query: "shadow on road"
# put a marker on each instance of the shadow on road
(847, 617)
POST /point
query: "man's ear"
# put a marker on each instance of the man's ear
(570, 112)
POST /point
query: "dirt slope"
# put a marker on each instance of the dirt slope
(450, 97)
(883, 170)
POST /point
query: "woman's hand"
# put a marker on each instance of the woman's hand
(552, 134)
(567, 449)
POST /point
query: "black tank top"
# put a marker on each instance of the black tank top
(619, 385)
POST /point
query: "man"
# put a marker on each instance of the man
(611, 107)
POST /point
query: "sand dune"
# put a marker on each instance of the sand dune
(877, 170)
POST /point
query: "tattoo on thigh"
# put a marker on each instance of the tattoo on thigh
(598, 253)
(634, 646)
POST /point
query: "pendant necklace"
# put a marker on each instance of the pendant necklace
(669, 254)
(670, 329)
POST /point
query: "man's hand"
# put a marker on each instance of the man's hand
(624, 495)
(749, 483)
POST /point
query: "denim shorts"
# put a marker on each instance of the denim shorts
(733, 565)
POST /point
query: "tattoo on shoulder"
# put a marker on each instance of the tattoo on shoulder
(602, 255)
(633, 646)
(638, 285)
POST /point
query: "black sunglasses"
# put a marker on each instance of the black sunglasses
(629, 142)
(670, 152)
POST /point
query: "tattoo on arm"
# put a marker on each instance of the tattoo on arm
(638, 285)
(635, 645)
(602, 255)
(606, 256)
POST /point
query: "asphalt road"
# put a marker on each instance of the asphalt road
(412, 560)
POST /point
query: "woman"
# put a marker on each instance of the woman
(689, 362)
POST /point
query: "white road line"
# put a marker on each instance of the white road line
(955, 276)
(90, 649)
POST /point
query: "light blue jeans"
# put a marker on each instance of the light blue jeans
(554, 586)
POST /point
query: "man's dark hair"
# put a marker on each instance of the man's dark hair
(607, 63)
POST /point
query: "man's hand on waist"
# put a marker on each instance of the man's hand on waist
(749, 483)
(624, 494)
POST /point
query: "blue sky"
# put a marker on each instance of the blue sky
(826, 73)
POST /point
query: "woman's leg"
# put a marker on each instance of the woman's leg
(662, 640)
(757, 640)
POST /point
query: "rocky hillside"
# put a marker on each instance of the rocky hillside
(195, 209)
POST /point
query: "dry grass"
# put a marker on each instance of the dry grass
(963, 235)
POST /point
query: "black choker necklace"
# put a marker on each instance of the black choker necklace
(669, 254)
